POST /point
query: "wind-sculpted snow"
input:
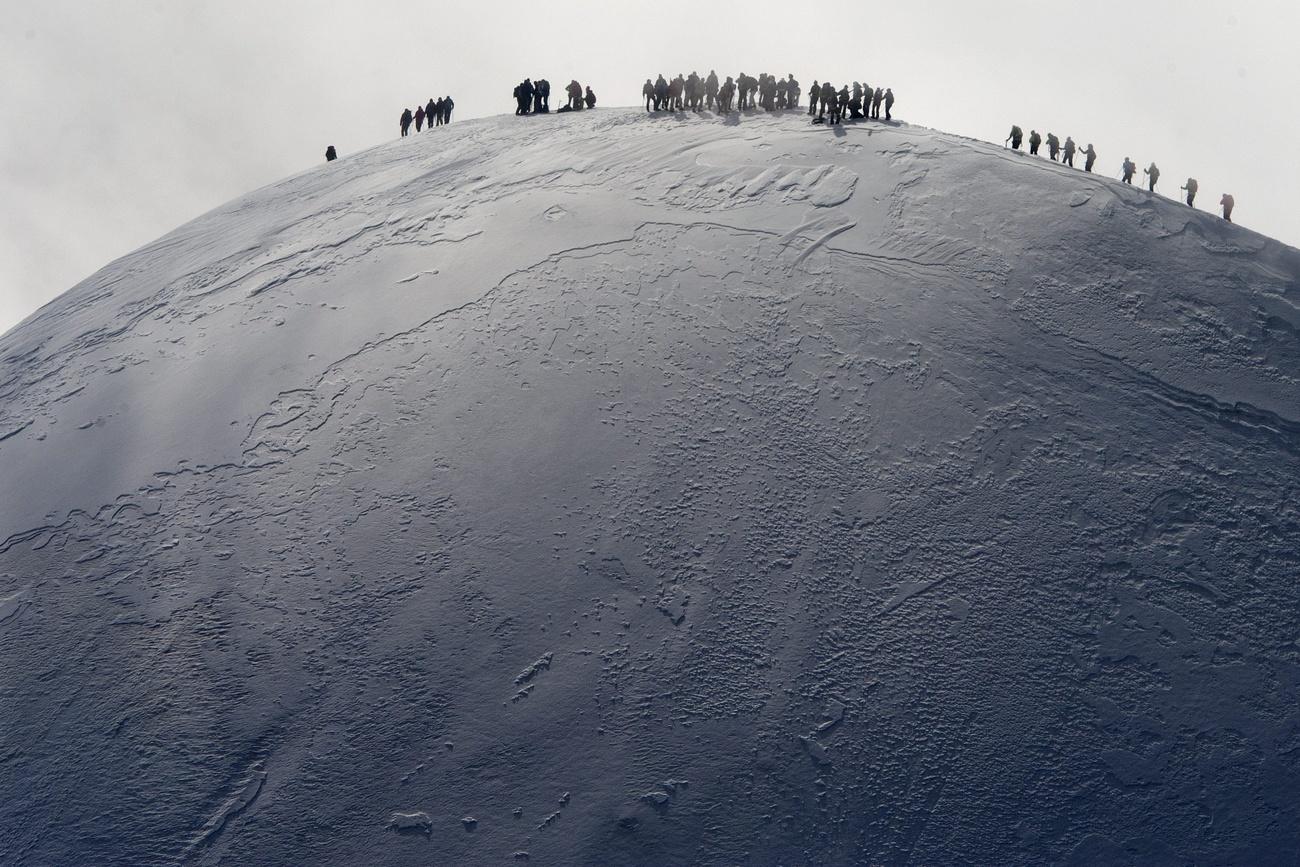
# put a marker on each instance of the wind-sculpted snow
(616, 489)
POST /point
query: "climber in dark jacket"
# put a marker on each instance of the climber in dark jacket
(1228, 203)
(1034, 141)
(405, 121)
(330, 154)
(1017, 134)
(1129, 168)
(1191, 187)
(1090, 155)
(889, 103)
(431, 112)
(1153, 175)
(590, 98)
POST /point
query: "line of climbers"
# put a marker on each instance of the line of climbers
(439, 111)
(535, 97)
(828, 105)
(1066, 153)
(693, 93)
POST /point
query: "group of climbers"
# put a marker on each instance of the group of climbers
(1067, 150)
(534, 97)
(438, 111)
(828, 105)
(693, 93)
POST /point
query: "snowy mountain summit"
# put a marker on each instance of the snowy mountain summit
(615, 489)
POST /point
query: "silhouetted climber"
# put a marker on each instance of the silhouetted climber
(575, 95)
(1153, 175)
(711, 88)
(405, 121)
(889, 103)
(1017, 135)
(841, 103)
(1070, 148)
(1129, 168)
(792, 92)
(590, 98)
(447, 106)
(330, 154)
(876, 100)
(742, 91)
(648, 91)
(538, 106)
(543, 95)
(419, 117)
(782, 94)
(1034, 141)
(1191, 187)
(1091, 158)
(828, 100)
(524, 94)
(432, 111)
(814, 95)
(855, 103)
(1053, 145)
(1228, 203)
(661, 93)
(727, 96)
(678, 92)
(439, 110)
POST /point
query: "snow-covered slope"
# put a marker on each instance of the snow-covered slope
(642, 490)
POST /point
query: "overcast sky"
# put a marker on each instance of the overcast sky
(124, 118)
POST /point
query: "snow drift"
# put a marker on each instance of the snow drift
(657, 490)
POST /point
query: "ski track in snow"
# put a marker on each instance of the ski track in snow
(659, 490)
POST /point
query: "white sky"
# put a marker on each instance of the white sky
(124, 118)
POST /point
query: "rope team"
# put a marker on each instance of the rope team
(1067, 151)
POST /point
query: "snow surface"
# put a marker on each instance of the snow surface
(616, 489)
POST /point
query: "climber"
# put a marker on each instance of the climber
(711, 90)
(1228, 203)
(1153, 175)
(1034, 141)
(405, 121)
(447, 106)
(814, 95)
(1091, 154)
(575, 95)
(419, 117)
(439, 110)
(889, 103)
(792, 97)
(430, 112)
(1017, 135)
(1053, 145)
(648, 91)
(330, 154)
(855, 104)
(1129, 168)
(842, 103)
(590, 98)
(726, 94)
(1070, 148)
(875, 103)
(1191, 187)
(661, 93)
(544, 95)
